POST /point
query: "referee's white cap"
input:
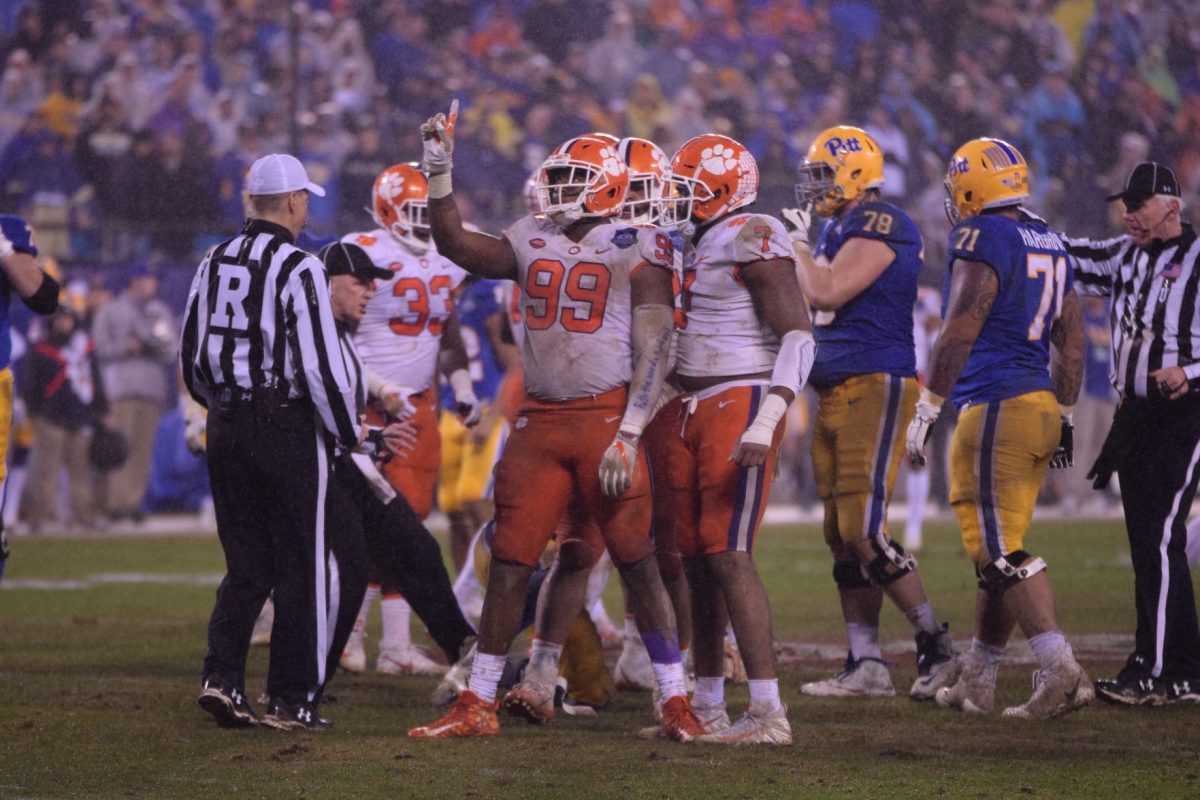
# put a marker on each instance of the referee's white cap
(279, 173)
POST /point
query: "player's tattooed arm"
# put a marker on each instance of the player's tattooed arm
(1067, 336)
(478, 253)
(973, 289)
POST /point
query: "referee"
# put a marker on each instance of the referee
(1154, 444)
(260, 350)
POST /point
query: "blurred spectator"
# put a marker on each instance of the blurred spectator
(60, 385)
(136, 338)
(49, 192)
(359, 171)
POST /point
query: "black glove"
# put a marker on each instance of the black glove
(1064, 456)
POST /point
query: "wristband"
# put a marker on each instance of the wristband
(1066, 411)
(439, 185)
(769, 413)
(929, 405)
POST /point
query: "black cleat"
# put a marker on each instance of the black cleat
(227, 705)
(286, 716)
(1132, 690)
(1186, 691)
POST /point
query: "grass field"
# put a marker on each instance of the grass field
(101, 641)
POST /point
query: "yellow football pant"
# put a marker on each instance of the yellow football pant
(465, 474)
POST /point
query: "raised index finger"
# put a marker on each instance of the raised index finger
(452, 117)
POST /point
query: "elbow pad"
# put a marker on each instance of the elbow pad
(45, 299)
(797, 350)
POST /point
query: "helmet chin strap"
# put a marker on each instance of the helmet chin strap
(568, 216)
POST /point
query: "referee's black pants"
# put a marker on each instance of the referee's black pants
(1159, 472)
(406, 554)
(269, 479)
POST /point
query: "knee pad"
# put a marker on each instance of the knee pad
(851, 575)
(1007, 571)
(890, 563)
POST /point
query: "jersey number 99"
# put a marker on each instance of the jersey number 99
(585, 285)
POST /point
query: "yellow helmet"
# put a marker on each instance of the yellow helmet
(842, 163)
(985, 173)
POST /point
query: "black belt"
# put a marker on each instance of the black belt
(267, 403)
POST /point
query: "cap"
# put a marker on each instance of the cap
(279, 173)
(1147, 180)
(349, 259)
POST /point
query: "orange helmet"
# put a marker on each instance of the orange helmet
(710, 176)
(606, 137)
(583, 178)
(400, 205)
(648, 166)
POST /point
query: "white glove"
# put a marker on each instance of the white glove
(929, 406)
(6, 247)
(195, 433)
(395, 400)
(801, 220)
(618, 464)
(437, 137)
(467, 405)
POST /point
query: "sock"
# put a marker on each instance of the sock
(670, 680)
(396, 615)
(917, 491)
(485, 675)
(991, 657)
(1049, 647)
(764, 695)
(364, 610)
(544, 658)
(921, 618)
(710, 692)
(864, 641)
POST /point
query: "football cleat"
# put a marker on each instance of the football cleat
(1059, 689)
(288, 717)
(973, 692)
(1133, 690)
(261, 634)
(866, 677)
(532, 700)
(679, 721)
(1184, 692)
(936, 664)
(755, 727)
(407, 661)
(227, 704)
(354, 656)
(633, 670)
(714, 719)
(470, 715)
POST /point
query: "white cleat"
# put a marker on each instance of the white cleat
(936, 664)
(973, 692)
(354, 657)
(407, 661)
(633, 670)
(1060, 689)
(455, 680)
(755, 727)
(261, 635)
(867, 677)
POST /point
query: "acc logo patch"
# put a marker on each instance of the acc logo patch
(537, 244)
(625, 238)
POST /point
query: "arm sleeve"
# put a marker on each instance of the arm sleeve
(45, 300)
(320, 354)
(1097, 263)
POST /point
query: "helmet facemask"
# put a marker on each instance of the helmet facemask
(679, 196)
(952, 212)
(562, 189)
(643, 201)
(412, 226)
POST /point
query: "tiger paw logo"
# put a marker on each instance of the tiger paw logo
(611, 162)
(718, 159)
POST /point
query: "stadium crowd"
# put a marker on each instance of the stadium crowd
(126, 128)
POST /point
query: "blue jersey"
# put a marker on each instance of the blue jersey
(1012, 354)
(17, 231)
(479, 301)
(873, 332)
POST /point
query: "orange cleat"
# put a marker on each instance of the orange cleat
(469, 716)
(679, 721)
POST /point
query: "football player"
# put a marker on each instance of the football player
(592, 292)
(745, 348)
(409, 333)
(19, 275)
(1008, 290)
(861, 282)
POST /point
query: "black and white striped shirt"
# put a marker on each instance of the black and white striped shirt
(1154, 319)
(259, 315)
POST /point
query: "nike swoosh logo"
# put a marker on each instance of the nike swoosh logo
(724, 403)
(605, 250)
(438, 731)
(611, 420)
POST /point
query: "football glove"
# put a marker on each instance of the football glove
(618, 464)
(1064, 456)
(195, 433)
(799, 222)
(437, 137)
(466, 404)
(929, 406)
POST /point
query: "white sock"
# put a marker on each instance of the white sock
(710, 692)
(396, 616)
(921, 618)
(670, 679)
(364, 610)
(543, 660)
(917, 491)
(764, 695)
(1049, 647)
(485, 675)
(864, 641)
(991, 657)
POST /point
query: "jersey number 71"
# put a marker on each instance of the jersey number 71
(1053, 274)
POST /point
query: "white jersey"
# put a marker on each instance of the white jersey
(576, 304)
(721, 333)
(401, 332)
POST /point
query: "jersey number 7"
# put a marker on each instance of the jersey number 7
(1053, 273)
